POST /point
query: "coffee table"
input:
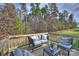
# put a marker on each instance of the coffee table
(51, 51)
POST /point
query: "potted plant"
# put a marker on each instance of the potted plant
(51, 45)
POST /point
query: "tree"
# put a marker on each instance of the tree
(8, 18)
(71, 18)
(53, 12)
(44, 11)
(44, 18)
(24, 13)
(19, 13)
(65, 14)
(35, 16)
(65, 18)
(71, 21)
(53, 9)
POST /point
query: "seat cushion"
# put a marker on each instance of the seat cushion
(43, 41)
(37, 42)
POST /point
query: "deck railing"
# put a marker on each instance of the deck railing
(57, 37)
(12, 42)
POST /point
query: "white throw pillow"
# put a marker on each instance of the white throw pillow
(35, 38)
(40, 37)
(44, 37)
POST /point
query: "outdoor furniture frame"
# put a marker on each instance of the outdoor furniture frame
(53, 52)
(67, 47)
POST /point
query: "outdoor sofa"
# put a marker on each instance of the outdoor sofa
(37, 40)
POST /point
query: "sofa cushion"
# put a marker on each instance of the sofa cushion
(66, 41)
(43, 41)
(35, 38)
(65, 46)
(37, 42)
(44, 37)
(40, 37)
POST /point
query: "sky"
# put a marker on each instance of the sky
(70, 7)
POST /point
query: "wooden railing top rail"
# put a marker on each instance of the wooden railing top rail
(69, 35)
(25, 35)
(11, 36)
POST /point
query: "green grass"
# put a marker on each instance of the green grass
(76, 42)
(69, 32)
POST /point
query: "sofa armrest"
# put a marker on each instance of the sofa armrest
(31, 41)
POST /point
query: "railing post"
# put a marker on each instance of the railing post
(8, 43)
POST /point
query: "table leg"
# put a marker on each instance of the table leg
(68, 52)
(43, 52)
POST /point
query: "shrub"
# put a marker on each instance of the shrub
(18, 26)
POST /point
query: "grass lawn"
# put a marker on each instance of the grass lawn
(69, 32)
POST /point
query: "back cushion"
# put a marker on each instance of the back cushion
(44, 37)
(66, 41)
(40, 37)
(35, 38)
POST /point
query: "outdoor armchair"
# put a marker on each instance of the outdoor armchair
(66, 44)
(20, 52)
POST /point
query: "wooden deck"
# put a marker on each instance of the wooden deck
(39, 51)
